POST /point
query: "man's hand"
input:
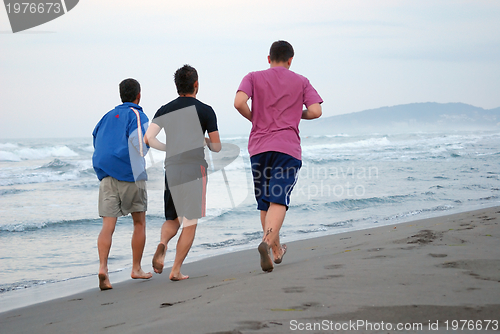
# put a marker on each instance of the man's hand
(213, 142)
(312, 112)
(151, 140)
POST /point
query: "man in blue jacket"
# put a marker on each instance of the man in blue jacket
(119, 163)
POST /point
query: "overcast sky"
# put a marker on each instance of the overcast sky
(58, 79)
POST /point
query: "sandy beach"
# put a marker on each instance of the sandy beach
(423, 276)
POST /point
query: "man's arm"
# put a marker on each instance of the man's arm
(213, 141)
(240, 103)
(151, 140)
(312, 112)
(138, 142)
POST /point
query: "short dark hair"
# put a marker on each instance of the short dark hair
(184, 78)
(281, 51)
(129, 89)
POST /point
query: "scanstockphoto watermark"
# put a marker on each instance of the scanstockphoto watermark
(335, 181)
(318, 181)
(26, 14)
(357, 325)
(365, 325)
(341, 172)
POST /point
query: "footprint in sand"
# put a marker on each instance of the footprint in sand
(438, 255)
(328, 277)
(374, 250)
(483, 269)
(294, 289)
(423, 237)
(377, 257)
(334, 266)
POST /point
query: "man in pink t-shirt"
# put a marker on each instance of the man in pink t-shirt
(278, 96)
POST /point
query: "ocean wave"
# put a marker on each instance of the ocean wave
(345, 223)
(36, 153)
(54, 171)
(413, 213)
(216, 212)
(4, 192)
(8, 146)
(352, 204)
(392, 147)
(8, 156)
(22, 285)
(87, 172)
(232, 241)
(88, 148)
(35, 226)
(361, 203)
(364, 143)
(476, 187)
(57, 164)
(253, 235)
(86, 185)
(339, 135)
(42, 177)
(26, 284)
(488, 198)
(313, 230)
(487, 154)
(324, 158)
(371, 148)
(225, 214)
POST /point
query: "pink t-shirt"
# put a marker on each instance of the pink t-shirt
(278, 96)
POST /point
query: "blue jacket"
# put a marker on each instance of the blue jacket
(119, 147)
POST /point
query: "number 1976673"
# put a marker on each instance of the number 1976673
(27, 7)
(471, 325)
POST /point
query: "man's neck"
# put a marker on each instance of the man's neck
(285, 64)
(280, 64)
(193, 95)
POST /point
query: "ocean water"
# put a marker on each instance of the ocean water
(48, 193)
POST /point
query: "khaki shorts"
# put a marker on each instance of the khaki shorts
(119, 198)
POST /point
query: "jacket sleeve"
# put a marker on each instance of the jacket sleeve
(136, 130)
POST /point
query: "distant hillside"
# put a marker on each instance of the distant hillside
(428, 116)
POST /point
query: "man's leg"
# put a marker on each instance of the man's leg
(138, 242)
(271, 221)
(168, 231)
(183, 246)
(103, 247)
(275, 175)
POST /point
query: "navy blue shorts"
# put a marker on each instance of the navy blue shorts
(274, 176)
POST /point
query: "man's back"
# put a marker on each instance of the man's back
(113, 155)
(278, 96)
(185, 121)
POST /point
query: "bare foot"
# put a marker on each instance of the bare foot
(178, 277)
(104, 283)
(159, 258)
(265, 260)
(283, 252)
(140, 274)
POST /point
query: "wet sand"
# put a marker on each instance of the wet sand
(423, 272)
